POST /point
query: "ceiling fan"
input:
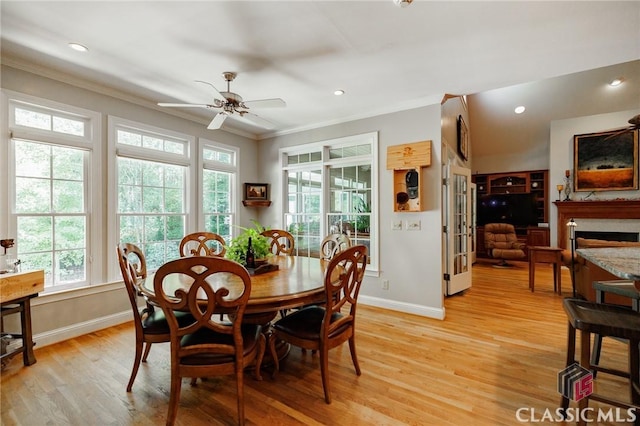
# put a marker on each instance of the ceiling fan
(231, 103)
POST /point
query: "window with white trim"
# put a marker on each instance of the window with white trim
(329, 189)
(219, 175)
(51, 193)
(153, 177)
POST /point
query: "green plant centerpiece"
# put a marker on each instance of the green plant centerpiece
(237, 250)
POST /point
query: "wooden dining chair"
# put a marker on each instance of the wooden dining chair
(150, 323)
(333, 244)
(321, 328)
(280, 241)
(209, 346)
(202, 244)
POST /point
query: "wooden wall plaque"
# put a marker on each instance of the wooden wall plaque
(409, 155)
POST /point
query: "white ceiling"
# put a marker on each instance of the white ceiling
(386, 58)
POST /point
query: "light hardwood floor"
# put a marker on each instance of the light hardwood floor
(499, 349)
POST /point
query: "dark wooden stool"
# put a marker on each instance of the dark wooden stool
(605, 320)
(622, 288)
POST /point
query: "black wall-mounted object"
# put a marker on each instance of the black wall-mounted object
(412, 183)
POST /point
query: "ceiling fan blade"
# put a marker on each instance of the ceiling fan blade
(169, 104)
(256, 120)
(266, 103)
(217, 121)
(216, 93)
(620, 132)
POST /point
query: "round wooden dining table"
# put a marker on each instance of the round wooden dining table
(298, 281)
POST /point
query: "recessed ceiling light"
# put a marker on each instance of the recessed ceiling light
(78, 47)
(339, 92)
(519, 109)
(616, 82)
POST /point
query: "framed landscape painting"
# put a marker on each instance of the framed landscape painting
(606, 161)
(256, 191)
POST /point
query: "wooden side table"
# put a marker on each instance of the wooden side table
(16, 292)
(544, 254)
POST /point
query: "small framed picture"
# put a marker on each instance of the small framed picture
(256, 191)
(463, 139)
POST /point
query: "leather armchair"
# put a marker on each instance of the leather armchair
(502, 243)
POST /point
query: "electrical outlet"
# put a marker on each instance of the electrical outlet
(413, 225)
(396, 225)
(385, 285)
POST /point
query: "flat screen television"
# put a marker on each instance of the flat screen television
(516, 209)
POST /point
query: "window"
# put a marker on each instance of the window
(151, 207)
(303, 212)
(153, 180)
(219, 171)
(330, 190)
(51, 191)
(350, 202)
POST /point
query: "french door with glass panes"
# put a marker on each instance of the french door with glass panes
(458, 230)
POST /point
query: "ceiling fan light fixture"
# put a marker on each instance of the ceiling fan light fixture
(78, 47)
(402, 3)
(616, 82)
(231, 104)
(519, 109)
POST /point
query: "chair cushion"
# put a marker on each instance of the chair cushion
(156, 323)
(306, 323)
(606, 320)
(507, 253)
(250, 339)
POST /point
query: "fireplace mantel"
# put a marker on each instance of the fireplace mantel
(609, 209)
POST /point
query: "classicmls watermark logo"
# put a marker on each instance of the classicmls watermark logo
(575, 382)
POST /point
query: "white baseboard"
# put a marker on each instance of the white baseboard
(408, 308)
(75, 330)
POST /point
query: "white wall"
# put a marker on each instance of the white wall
(410, 260)
(561, 156)
(535, 158)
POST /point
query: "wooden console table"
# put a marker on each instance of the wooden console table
(16, 292)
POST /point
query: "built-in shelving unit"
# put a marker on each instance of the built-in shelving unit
(533, 182)
(528, 182)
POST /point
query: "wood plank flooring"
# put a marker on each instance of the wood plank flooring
(499, 349)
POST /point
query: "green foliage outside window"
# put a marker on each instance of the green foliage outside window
(51, 222)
